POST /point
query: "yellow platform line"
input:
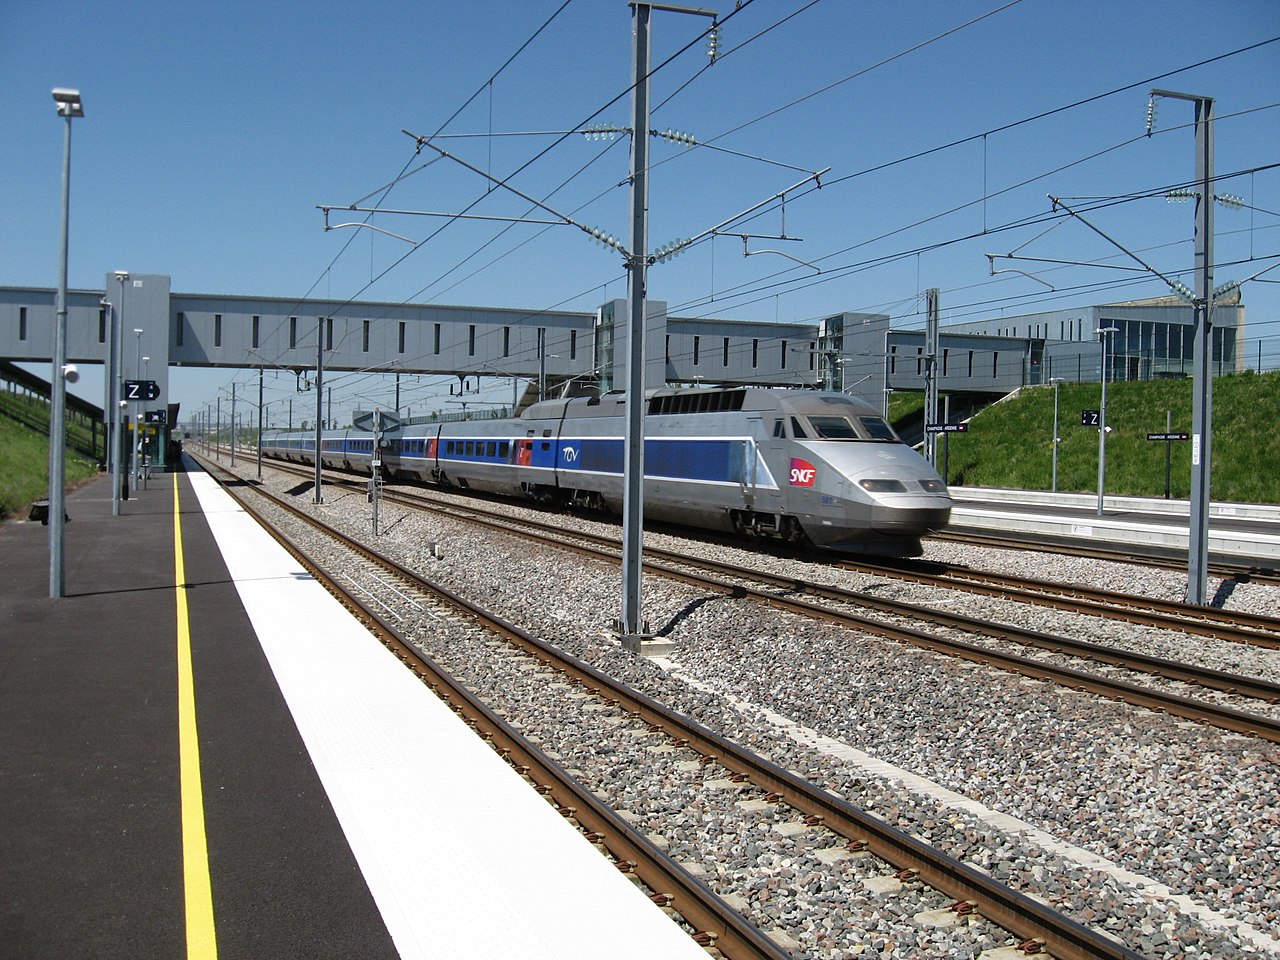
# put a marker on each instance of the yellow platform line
(198, 891)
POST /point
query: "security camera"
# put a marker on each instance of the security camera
(124, 404)
(70, 373)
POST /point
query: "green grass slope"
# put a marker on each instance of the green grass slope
(24, 464)
(1009, 443)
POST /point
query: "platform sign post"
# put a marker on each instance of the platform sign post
(1168, 437)
(946, 429)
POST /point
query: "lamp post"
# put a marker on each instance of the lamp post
(137, 438)
(69, 106)
(1103, 333)
(117, 398)
(1056, 381)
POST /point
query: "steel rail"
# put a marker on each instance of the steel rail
(1026, 917)
(1168, 560)
(1238, 721)
(1238, 626)
(1231, 683)
(716, 922)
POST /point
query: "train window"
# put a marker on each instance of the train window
(797, 431)
(546, 433)
(832, 428)
(490, 449)
(451, 448)
(471, 448)
(503, 449)
(877, 429)
(778, 429)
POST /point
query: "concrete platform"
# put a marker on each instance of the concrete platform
(1238, 533)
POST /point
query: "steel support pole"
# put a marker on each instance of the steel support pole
(1102, 424)
(632, 626)
(234, 423)
(319, 400)
(932, 298)
(1054, 488)
(114, 392)
(1201, 376)
(259, 424)
(58, 389)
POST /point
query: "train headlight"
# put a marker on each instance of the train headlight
(882, 486)
(933, 486)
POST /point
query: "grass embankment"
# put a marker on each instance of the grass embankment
(24, 464)
(1009, 443)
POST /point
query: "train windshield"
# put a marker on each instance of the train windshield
(858, 428)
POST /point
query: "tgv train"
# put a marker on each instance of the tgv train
(805, 466)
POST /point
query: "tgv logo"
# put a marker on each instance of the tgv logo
(570, 454)
(802, 472)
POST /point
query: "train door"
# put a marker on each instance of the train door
(750, 478)
(773, 453)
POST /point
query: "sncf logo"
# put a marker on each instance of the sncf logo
(802, 472)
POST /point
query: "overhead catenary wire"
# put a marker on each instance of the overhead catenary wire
(1047, 113)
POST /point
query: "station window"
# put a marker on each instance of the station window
(180, 329)
(506, 341)
(784, 355)
(364, 334)
(217, 329)
(257, 321)
(328, 333)
(22, 323)
(293, 333)
(697, 346)
(401, 343)
(102, 324)
(726, 351)
(755, 354)
(436, 341)
(471, 340)
(573, 344)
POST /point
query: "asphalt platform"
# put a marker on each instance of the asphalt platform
(91, 824)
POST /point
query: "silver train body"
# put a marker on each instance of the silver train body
(804, 466)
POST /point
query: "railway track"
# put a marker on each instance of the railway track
(1037, 925)
(899, 622)
(1236, 626)
(1229, 625)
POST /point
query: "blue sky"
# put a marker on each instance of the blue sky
(212, 131)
